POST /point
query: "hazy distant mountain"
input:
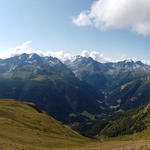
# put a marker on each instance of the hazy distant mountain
(91, 71)
(29, 66)
(106, 75)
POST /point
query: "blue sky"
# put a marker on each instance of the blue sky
(48, 24)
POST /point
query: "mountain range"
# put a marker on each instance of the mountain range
(75, 90)
(49, 84)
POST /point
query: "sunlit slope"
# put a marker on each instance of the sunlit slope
(25, 124)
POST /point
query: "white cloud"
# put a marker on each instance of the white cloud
(60, 55)
(95, 55)
(117, 14)
(20, 49)
(82, 20)
(25, 48)
(85, 53)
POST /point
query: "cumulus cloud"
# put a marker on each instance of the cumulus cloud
(26, 48)
(82, 20)
(95, 55)
(60, 55)
(85, 53)
(20, 49)
(117, 14)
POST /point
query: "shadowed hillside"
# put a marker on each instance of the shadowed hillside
(121, 123)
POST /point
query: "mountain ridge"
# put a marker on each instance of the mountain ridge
(74, 91)
(53, 87)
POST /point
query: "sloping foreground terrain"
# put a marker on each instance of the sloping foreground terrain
(24, 124)
(24, 127)
(111, 145)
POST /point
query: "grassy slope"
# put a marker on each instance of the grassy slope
(22, 124)
(23, 127)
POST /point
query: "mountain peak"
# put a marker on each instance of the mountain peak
(33, 55)
(129, 61)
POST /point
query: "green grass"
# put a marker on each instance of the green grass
(88, 115)
(72, 115)
(24, 127)
(21, 123)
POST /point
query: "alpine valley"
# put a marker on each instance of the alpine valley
(100, 101)
(77, 90)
